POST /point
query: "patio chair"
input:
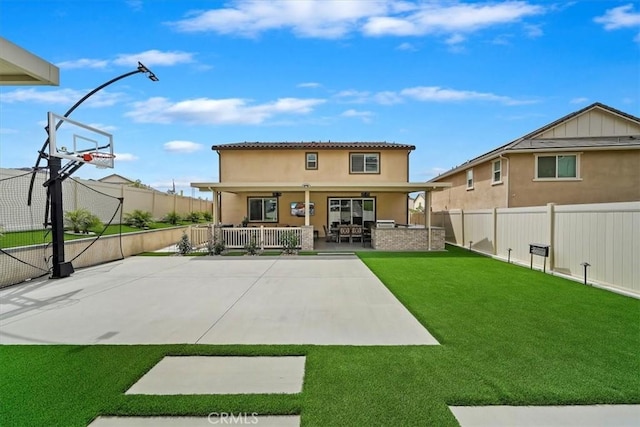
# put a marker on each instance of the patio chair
(356, 233)
(329, 236)
(344, 232)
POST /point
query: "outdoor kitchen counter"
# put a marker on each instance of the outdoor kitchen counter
(407, 238)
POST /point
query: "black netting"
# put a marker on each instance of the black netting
(25, 241)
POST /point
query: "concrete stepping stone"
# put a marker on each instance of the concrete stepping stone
(222, 375)
(548, 416)
(214, 419)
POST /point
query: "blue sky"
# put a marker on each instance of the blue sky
(453, 78)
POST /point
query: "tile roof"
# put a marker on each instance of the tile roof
(312, 146)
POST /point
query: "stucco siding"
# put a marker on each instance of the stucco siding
(485, 194)
(234, 207)
(289, 166)
(605, 177)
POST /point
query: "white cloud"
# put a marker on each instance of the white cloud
(438, 94)
(364, 115)
(455, 39)
(407, 47)
(339, 18)
(148, 58)
(580, 100)
(619, 17)
(65, 97)
(306, 18)
(533, 31)
(217, 111)
(182, 147)
(154, 57)
(83, 63)
(434, 18)
(310, 85)
(125, 157)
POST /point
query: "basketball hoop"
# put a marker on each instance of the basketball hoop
(99, 159)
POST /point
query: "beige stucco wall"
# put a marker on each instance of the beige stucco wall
(484, 193)
(605, 177)
(234, 207)
(286, 166)
(289, 166)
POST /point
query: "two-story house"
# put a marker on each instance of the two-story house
(273, 183)
(589, 156)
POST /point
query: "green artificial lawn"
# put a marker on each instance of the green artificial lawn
(509, 335)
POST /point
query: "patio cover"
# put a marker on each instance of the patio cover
(309, 187)
(20, 67)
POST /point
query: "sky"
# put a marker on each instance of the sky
(454, 78)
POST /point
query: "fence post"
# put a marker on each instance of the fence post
(551, 219)
(262, 237)
(462, 224)
(494, 215)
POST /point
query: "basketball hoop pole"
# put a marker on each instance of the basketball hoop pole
(60, 267)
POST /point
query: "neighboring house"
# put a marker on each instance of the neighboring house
(342, 182)
(116, 179)
(589, 156)
(418, 203)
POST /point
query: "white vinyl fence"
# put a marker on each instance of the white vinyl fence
(606, 236)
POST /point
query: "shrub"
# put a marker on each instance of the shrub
(289, 241)
(252, 247)
(206, 216)
(138, 218)
(184, 245)
(215, 246)
(81, 220)
(172, 218)
(193, 217)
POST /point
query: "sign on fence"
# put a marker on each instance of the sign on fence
(539, 250)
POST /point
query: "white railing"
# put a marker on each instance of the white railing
(200, 235)
(264, 237)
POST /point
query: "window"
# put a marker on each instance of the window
(497, 172)
(557, 167)
(365, 163)
(470, 179)
(263, 209)
(351, 210)
(312, 161)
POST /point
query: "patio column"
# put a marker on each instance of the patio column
(427, 212)
(214, 213)
(306, 207)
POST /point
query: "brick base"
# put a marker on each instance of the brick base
(407, 239)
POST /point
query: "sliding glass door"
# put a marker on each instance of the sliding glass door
(343, 210)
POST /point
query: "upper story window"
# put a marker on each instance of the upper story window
(263, 209)
(311, 161)
(364, 163)
(470, 179)
(497, 172)
(561, 166)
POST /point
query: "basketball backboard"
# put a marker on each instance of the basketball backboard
(79, 142)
